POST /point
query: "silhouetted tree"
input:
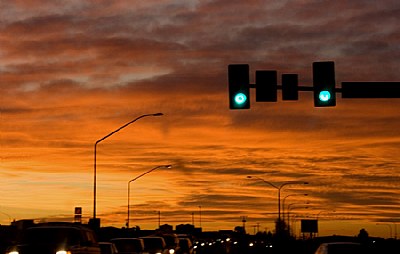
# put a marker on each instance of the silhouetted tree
(363, 235)
(240, 230)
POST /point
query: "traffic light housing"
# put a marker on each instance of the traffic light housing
(324, 84)
(266, 86)
(290, 87)
(239, 87)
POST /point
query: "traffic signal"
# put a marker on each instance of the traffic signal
(239, 87)
(290, 87)
(324, 84)
(266, 86)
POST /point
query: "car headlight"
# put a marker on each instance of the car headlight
(63, 252)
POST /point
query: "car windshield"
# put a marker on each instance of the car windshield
(171, 240)
(153, 243)
(68, 236)
(127, 245)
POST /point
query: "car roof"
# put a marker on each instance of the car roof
(124, 238)
(61, 225)
(341, 243)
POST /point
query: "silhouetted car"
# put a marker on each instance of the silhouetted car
(57, 239)
(108, 248)
(341, 248)
(172, 242)
(186, 246)
(155, 245)
(129, 245)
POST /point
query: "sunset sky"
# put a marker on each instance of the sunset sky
(73, 71)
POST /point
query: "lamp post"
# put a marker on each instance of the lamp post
(279, 188)
(95, 149)
(200, 215)
(283, 202)
(6, 214)
(323, 211)
(388, 225)
(291, 207)
(134, 179)
(318, 214)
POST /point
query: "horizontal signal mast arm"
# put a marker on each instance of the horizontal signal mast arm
(299, 88)
(374, 89)
(370, 89)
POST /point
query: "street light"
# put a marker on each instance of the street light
(200, 215)
(129, 189)
(6, 214)
(279, 190)
(388, 225)
(95, 148)
(290, 195)
(323, 211)
(291, 207)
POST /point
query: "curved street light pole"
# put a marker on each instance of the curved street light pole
(323, 211)
(279, 188)
(290, 195)
(288, 213)
(290, 207)
(279, 193)
(388, 225)
(318, 214)
(9, 216)
(95, 150)
(134, 179)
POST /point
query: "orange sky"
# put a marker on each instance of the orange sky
(72, 72)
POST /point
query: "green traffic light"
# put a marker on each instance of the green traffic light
(324, 96)
(240, 98)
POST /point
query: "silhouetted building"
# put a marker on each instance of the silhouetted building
(166, 228)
